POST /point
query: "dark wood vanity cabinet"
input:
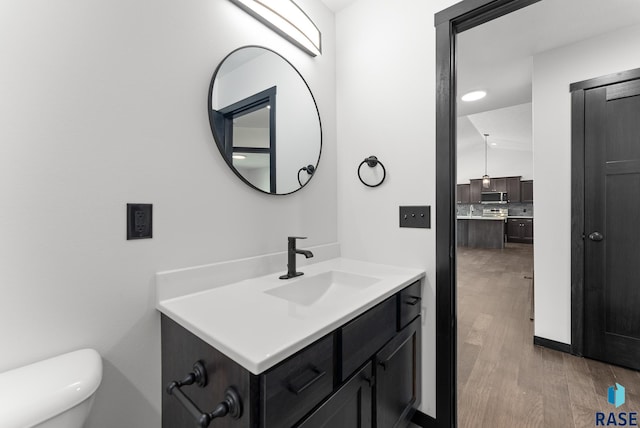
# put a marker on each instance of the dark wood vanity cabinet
(350, 407)
(397, 377)
(180, 350)
(364, 374)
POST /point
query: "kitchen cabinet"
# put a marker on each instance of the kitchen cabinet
(513, 189)
(475, 191)
(517, 191)
(520, 230)
(526, 189)
(481, 233)
(364, 373)
(462, 193)
(497, 185)
(462, 233)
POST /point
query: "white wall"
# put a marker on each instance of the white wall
(553, 72)
(386, 92)
(104, 103)
(501, 163)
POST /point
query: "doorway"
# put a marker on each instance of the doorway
(606, 175)
(450, 22)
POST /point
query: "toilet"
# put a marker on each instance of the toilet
(53, 393)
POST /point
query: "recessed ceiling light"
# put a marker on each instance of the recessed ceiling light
(474, 96)
(494, 144)
(239, 156)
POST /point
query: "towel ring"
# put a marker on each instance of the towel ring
(372, 162)
(310, 170)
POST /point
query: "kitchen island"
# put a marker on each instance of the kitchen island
(480, 231)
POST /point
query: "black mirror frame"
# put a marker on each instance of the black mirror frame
(221, 144)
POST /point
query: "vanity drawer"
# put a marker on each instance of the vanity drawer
(409, 304)
(290, 390)
(362, 337)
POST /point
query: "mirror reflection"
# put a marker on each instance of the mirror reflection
(265, 120)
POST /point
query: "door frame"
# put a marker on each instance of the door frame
(449, 22)
(578, 198)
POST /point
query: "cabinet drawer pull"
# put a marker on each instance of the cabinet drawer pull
(296, 388)
(413, 300)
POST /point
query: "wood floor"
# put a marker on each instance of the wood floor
(503, 379)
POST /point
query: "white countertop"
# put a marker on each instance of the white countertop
(520, 216)
(478, 217)
(259, 330)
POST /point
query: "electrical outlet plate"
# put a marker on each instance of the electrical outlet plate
(139, 221)
(417, 216)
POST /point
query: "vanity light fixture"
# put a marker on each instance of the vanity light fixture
(486, 181)
(473, 96)
(287, 19)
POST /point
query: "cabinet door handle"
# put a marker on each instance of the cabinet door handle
(413, 300)
(296, 388)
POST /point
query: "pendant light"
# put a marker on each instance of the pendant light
(486, 181)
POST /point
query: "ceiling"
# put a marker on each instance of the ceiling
(497, 57)
(337, 5)
(509, 128)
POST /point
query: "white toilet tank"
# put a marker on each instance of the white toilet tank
(53, 393)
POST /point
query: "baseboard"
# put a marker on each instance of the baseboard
(552, 344)
(423, 420)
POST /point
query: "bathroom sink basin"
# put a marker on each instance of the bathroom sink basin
(323, 287)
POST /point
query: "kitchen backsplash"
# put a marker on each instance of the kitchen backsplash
(515, 209)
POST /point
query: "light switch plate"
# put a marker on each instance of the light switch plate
(417, 216)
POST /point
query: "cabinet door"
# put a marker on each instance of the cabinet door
(513, 189)
(527, 230)
(475, 190)
(498, 185)
(526, 191)
(520, 230)
(462, 195)
(462, 233)
(362, 337)
(349, 407)
(513, 230)
(398, 378)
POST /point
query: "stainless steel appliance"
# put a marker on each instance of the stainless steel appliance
(493, 197)
(495, 212)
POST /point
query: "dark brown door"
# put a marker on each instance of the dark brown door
(612, 226)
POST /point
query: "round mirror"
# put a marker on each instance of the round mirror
(265, 120)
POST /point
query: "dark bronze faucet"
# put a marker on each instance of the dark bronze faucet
(291, 257)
